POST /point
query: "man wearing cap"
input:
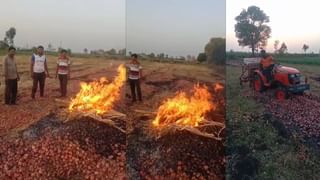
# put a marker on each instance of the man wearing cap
(11, 76)
(267, 64)
(39, 71)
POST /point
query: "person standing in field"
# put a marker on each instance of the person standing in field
(39, 71)
(134, 70)
(63, 71)
(11, 77)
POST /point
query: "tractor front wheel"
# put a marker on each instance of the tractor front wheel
(258, 85)
(281, 94)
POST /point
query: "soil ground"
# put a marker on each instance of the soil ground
(36, 143)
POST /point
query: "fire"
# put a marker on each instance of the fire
(217, 87)
(184, 110)
(99, 96)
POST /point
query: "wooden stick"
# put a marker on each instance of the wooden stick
(76, 115)
(144, 112)
(193, 130)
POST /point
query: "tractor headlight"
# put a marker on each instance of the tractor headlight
(294, 78)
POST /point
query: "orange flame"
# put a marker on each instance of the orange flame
(182, 110)
(217, 87)
(99, 96)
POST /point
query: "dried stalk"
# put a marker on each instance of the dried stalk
(106, 118)
(194, 130)
(144, 112)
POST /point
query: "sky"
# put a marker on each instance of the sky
(173, 27)
(293, 22)
(74, 24)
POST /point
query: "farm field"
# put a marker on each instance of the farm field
(301, 60)
(277, 139)
(36, 142)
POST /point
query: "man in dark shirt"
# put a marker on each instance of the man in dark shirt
(11, 76)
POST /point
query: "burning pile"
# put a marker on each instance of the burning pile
(98, 97)
(187, 113)
(182, 110)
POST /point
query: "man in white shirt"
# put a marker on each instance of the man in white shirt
(39, 71)
(134, 76)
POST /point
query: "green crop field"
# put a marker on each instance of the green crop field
(299, 60)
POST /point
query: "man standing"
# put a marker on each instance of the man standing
(267, 64)
(11, 77)
(134, 75)
(39, 71)
(63, 71)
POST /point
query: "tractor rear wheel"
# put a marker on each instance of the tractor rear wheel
(258, 84)
(281, 94)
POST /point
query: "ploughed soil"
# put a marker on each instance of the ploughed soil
(179, 154)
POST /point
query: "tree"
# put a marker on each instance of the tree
(251, 29)
(305, 48)
(50, 47)
(3, 45)
(216, 50)
(283, 48)
(189, 57)
(152, 55)
(112, 52)
(69, 51)
(276, 45)
(122, 52)
(10, 34)
(161, 56)
(202, 57)
(85, 50)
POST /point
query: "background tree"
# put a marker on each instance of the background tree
(283, 48)
(305, 48)
(152, 55)
(251, 29)
(112, 51)
(3, 45)
(10, 34)
(69, 51)
(202, 57)
(161, 56)
(216, 50)
(189, 57)
(85, 50)
(276, 46)
(50, 47)
(122, 52)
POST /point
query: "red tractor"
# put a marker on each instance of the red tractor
(286, 80)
